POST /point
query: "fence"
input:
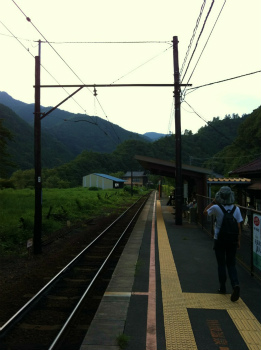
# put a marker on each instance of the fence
(245, 254)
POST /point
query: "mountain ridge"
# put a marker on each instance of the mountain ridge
(83, 143)
(62, 131)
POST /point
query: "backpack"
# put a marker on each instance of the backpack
(229, 229)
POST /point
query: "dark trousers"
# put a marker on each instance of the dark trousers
(226, 259)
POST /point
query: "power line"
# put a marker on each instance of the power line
(202, 29)
(117, 136)
(49, 43)
(110, 42)
(224, 80)
(171, 117)
(27, 49)
(19, 40)
(220, 133)
(29, 20)
(141, 65)
(205, 45)
(193, 36)
(209, 124)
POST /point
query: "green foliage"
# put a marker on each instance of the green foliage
(93, 188)
(58, 207)
(21, 146)
(23, 179)
(5, 136)
(54, 181)
(5, 183)
(118, 175)
(123, 340)
(244, 148)
(134, 190)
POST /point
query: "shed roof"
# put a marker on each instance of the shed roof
(109, 177)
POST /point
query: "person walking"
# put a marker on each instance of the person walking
(225, 250)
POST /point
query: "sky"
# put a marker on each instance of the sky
(130, 42)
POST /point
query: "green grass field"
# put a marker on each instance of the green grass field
(59, 206)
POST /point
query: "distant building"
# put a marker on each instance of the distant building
(102, 181)
(139, 178)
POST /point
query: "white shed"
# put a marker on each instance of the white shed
(102, 181)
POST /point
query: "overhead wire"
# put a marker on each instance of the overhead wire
(184, 91)
(19, 40)
(171, 117)
(220, 133)
(117, 136)
(202, 29)
(111, 42)
(27, 49)
(209, 123)
(193, 36)
(29, 20)
(141, 65)
(49, 43)
(222, 81)
(193, 89)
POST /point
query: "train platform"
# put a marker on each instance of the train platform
(163, 293)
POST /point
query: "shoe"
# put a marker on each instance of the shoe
(222, 291)
(235, 294)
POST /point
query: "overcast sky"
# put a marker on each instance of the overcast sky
(130, 42)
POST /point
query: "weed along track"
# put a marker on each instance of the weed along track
(59, 315)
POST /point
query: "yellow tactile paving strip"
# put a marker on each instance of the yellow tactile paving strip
(178, 331)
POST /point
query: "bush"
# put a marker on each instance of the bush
(5, 183)
(135, 190)
(93, 188)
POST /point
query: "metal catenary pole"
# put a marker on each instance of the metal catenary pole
(37, 246)
(179, 184)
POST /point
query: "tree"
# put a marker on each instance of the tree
(5, 163)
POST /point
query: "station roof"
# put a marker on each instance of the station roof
(167, 168)
(251, 168)
(228, 181)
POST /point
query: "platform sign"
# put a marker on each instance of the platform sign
(257, 241)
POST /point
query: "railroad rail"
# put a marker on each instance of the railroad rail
(58, 316)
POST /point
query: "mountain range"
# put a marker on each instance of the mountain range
(74, 145)
(64, 135)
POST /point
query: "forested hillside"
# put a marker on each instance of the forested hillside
(21, 147)
(245, 147)
(222, 145)
(75, 132)
(199, 149)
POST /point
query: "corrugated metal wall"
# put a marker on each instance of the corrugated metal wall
(93, 180)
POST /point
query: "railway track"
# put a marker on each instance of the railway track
(59, 315)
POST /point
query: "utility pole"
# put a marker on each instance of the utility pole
(179, 183)
(37, 244)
